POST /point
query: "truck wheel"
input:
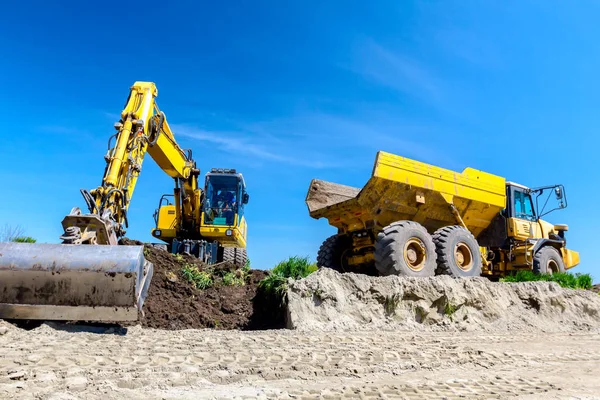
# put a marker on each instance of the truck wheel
(405, 248)
(457, 251)
(331, 251)
(548, 261)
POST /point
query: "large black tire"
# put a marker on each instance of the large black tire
(236, 256)
(331, 251)
(457, 251)
(405, 248)
(548, 261)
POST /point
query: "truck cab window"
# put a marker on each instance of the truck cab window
(523, 206)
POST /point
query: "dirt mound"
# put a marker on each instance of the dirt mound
(596, 288)
(174, 302)
(328, 300)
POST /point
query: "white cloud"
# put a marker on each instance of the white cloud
(244, 143)
(395, 70)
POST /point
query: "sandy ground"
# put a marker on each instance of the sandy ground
(54, 363)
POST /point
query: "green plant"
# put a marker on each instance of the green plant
(178, 257)
(584, 281)
(391, 303)
(200, 279)
(293, 268)
(564, 279)
(23, 239)
(449, 309)
(234, 279)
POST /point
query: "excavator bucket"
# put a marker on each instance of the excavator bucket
(73, 282)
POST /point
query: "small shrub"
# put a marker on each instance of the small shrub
(200, 279)
(294, 267)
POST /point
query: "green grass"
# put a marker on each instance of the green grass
(23, 239)
(564, 279)
(200, 279)
(294, 267)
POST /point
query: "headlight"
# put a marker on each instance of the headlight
(229, 232)
(157, 232)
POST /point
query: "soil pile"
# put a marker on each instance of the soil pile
(596, 288)
(174, 302)
(327, 301)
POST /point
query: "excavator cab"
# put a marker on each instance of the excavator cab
(224, 199)
(222, 227)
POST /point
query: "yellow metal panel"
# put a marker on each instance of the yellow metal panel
(570, 258)
(520, 229)
(169, 156)
(167, 217)
(471, 184)
(218, 232)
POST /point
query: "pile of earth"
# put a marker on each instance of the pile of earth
(596, 288)
(329, 301)
(174, 303)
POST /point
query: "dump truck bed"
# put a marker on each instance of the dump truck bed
(405, 189)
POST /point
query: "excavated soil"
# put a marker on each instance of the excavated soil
(174, 303)
(329, 301)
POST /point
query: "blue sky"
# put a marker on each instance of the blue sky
(301, 90)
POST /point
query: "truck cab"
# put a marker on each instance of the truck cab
(523, 212)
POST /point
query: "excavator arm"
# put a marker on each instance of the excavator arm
(88, 277)
(142, 129)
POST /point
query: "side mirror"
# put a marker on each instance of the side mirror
(245, 198)
(558, 193)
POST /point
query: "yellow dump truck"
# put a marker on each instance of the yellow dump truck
(416, 219)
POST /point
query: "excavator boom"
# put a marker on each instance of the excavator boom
(89, 276)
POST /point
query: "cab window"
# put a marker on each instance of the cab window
(221, 202)
(523, 206)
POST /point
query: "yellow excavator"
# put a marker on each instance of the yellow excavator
(90, 276)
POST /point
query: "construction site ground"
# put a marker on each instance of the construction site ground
(346, 336)
(64, 362)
